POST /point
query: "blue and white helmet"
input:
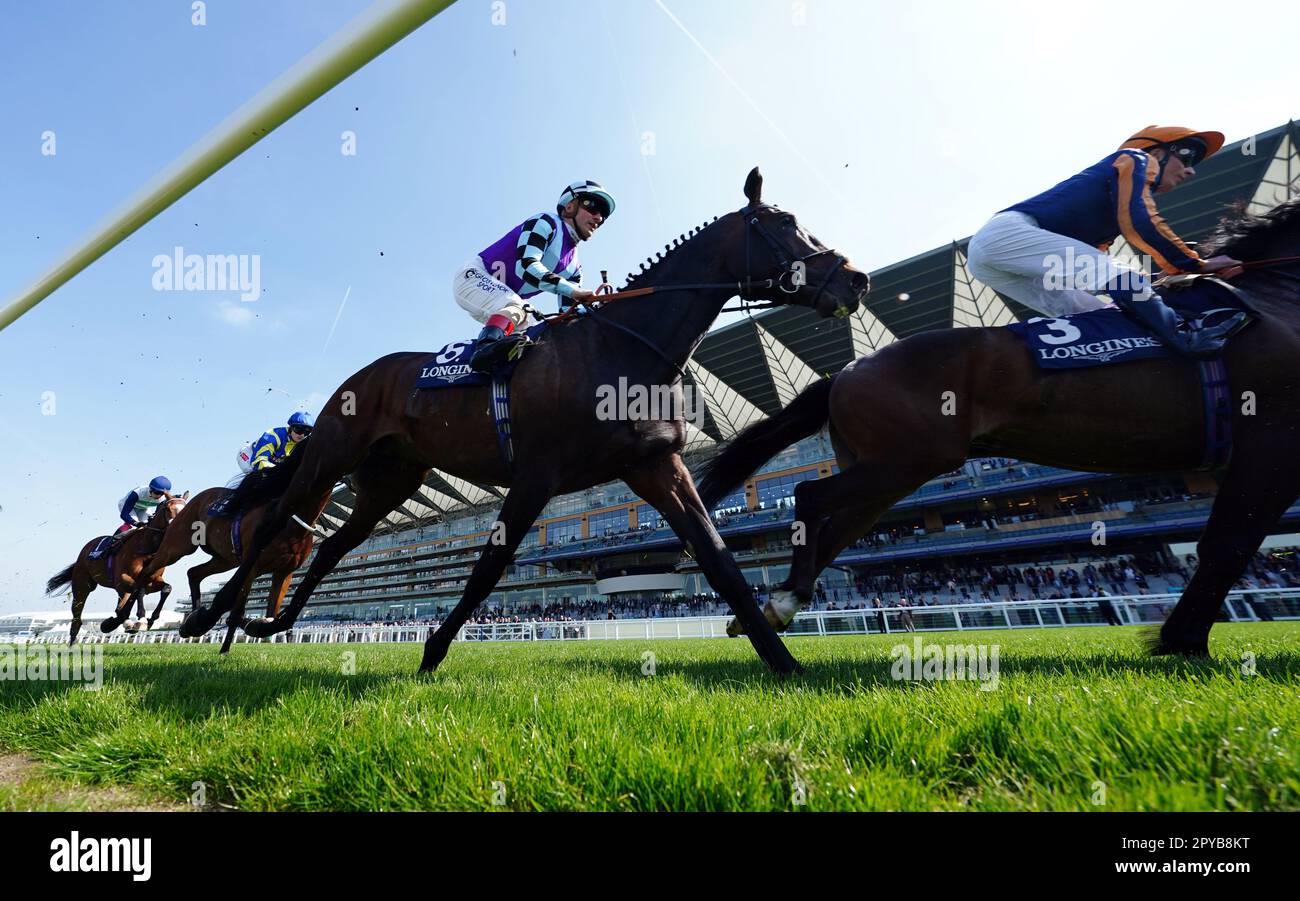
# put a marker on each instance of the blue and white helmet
(161, 483)
(302, 419)
(578, 188)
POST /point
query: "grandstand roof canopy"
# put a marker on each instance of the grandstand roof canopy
(750, 369)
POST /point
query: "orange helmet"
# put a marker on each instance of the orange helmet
(1156, 136)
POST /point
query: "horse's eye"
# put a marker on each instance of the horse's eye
(787, 221)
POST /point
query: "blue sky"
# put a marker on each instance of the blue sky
(889, 128)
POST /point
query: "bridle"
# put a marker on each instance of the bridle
(786, 264)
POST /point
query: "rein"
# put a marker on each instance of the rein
(1272, 266)
(785, 263)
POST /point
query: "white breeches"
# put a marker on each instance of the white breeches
(1047, 272)
(481, 295)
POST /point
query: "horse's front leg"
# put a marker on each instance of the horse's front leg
(666, 484)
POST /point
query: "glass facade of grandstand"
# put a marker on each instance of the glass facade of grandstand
(990, 529)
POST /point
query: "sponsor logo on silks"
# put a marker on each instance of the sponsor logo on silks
(1100, 351)
(451, 373)
(103, 855)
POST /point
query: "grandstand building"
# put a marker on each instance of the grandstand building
(604, 550)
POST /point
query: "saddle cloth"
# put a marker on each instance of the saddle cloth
(1108, 336)
(449, 367)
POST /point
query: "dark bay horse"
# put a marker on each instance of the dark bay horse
(387, 440)
(129, 560)
(892, 430)
(196, 528)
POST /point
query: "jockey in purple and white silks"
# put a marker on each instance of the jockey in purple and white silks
(540, 254)
(1050, 252)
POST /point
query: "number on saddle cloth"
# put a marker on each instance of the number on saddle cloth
(449, 367)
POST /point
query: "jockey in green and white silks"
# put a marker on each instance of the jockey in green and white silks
(134, 510)
(540, 254)
(140, 504)
(1049, 252)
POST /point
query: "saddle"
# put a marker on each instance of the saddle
(449, 367)
(1108, 336)
(1199, 298)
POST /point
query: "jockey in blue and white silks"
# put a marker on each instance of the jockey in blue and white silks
(1049, 252)
(276, 444)
(540, 254)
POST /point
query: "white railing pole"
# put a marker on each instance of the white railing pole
(376, 29)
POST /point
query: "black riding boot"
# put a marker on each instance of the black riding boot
(492, 349)
(1163, 322)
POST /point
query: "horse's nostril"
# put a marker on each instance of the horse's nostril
(861, 282)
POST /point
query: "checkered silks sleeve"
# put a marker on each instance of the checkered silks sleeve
(538, 234)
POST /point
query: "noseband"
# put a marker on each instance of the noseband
(785, 263)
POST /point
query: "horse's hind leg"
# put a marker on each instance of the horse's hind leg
(279, 584)
(82, 586)
(331, 454)
(382, 482)
(1257, 490)
(122, 609)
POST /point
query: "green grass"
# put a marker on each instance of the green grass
(576, 726)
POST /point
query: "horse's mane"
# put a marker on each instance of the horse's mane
(651, 266)
(1247, 236)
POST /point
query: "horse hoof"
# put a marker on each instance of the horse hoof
(1159, 644)
(108, 625)
(197, 623)
(734, 628)
(258, 628)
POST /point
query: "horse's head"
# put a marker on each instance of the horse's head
(170, 509)
(780, 261)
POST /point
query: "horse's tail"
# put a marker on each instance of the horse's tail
(262, 486)
(61, 578)
(754, 446)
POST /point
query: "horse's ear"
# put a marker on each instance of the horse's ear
(754, 186)
(185, 496)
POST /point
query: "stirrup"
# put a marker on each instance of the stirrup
(490, 354)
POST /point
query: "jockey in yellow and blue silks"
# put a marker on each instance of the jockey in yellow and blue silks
(1049, 252)
(278, 443)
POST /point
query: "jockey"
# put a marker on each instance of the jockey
(539, 255)
(1017, 251)
(277, 443)
(134, 510)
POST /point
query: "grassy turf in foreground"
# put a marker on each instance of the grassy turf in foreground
(1079, 716)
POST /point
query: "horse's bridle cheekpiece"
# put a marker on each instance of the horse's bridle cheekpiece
(785, 262)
